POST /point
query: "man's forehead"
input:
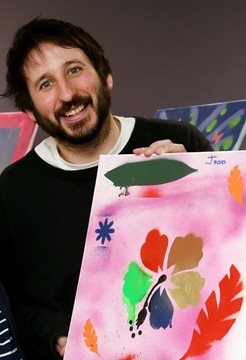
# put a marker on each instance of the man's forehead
(45, 53)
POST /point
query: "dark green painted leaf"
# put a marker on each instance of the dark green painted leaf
(149, 172)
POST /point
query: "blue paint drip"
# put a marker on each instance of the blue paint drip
(161, 310)
(102, 248)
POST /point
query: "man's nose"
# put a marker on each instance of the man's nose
(65, 91)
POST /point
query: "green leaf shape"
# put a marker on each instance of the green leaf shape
(187, 288)
(234, 122)
(228, 142)
(212, 125)
(192, 118)
(149, 172)
(223, 111)
(185, 253)
(136, 285)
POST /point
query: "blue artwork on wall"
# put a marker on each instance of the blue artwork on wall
(223, 124)
(8, 141)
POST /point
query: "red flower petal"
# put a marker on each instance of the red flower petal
(153, 250)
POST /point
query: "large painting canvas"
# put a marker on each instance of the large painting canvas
(224, 124)
(164, 269)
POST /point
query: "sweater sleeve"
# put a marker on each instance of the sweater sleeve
(197, 141)
(147, 131)
(39, 326)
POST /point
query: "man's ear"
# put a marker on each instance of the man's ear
(30, 115)
(110, 82)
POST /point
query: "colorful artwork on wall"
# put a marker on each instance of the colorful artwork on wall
(224, 124)
(17, 133)
(164, 272)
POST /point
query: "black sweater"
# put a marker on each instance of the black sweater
(44, 214)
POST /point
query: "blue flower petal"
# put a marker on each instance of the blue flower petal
(101, 224)
(161, 310)
(110, 224)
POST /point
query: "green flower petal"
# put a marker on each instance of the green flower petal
(136, 285)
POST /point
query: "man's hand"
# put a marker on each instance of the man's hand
(160, 147)
(61, 344)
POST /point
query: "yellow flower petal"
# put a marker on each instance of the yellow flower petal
(187, 288)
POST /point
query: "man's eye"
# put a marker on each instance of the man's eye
(45, 85)
(75, 70)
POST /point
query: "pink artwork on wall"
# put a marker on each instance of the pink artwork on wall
(17, 133)
(163, 274)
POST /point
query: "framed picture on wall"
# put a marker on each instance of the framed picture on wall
(17, 134)
(223, 124)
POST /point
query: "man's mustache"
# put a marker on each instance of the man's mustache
(76, 101)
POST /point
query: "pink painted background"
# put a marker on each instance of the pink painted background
(199, 203)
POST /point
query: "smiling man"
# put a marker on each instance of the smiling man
(59, 75)
(72, 103)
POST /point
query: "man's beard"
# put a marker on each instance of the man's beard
(80, 134)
